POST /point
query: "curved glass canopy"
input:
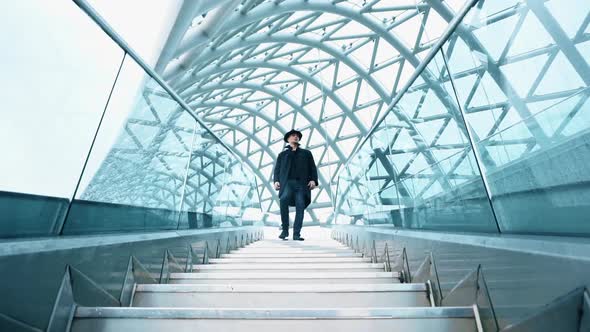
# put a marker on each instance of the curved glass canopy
(327, 68)
(255, 69)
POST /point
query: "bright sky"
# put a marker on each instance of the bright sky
(57, 70)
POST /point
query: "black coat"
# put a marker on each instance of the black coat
(281, 172)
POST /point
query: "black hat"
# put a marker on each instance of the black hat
(290, 132)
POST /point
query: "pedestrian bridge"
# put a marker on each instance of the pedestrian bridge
(139, 142)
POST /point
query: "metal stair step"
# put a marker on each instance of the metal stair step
(285, 277)
(288, 242)
(297, 246)
(455, 319)
(261, 288)
(290, 251)
(343, 267)
(281, 296)
(289, 255)
(322, 260)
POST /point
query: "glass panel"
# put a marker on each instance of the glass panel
(417, 170)
(237, 193)
(136, 173)
(219, 189)
(524, 86)
(207, 169)
(57, 69)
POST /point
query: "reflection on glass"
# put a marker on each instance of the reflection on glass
(417, 170)
(238, 192)
(136, 172)
(522, 78)
(206, 168)
(218, 188)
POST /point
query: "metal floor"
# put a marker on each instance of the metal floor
(269, 285)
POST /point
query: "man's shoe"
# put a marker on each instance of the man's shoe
(283, 235)
(297, 238)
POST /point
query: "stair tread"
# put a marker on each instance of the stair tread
(290, 255)
(306, 288)
(286, 275)
(287, 266)
(274, 313)
(290, 260)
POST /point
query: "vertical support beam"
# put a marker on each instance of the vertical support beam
(206, 254)
(64, 306)
(472, 289)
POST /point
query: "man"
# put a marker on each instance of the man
(295, 175)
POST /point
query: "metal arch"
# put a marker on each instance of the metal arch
(348, 61)
(230, 104)
(252, 166)
(265, 10)
(377, 87)
(312, 43)
(208, 30)
(561, 39)
(387, 36)
(308, 78)
(291, 39)
(235, 85)
(259, 174)
(330, 7)
(185, 16)
(272, 122)
(236, 127)
(255, 139)
(265, 147)
(379, 31)
(357, 68)
(250, 135)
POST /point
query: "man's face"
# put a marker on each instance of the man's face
(293, 138)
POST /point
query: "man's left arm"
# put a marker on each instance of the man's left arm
(313, 169)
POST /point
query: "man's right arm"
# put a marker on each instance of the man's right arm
(277, 168)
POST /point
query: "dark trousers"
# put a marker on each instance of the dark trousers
(293, 188)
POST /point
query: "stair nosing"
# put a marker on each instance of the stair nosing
(273, 313)
(285, 275)
(294, 288)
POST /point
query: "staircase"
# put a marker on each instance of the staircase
(274, 285)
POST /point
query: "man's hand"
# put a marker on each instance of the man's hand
(311, 184)
(277, 186)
